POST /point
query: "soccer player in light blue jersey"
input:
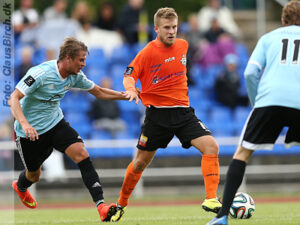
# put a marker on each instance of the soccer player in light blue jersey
(40, 124)
(273, 84)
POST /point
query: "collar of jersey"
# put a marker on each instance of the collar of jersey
(60, 77)
(159, 44)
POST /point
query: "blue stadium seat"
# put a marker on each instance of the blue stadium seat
(117, 71)
(123, 54)
(196, 73)
(222, 129)
(194, 95)
(241, 113)
(100, 134)
(84, 129)
(221, 114)
(242, 52)
(220, 121)
(96, 74)
(76, 118)
(97, 58)
(39, 56)
(240, 116)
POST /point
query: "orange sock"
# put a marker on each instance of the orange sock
(211, 174)
(130, 180)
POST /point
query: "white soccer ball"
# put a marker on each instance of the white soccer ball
(242, 206)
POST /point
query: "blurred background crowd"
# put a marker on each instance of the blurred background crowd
(114, 32)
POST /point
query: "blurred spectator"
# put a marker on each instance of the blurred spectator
(224, 16)
(228, 83)
(27, 61)
(57, 26)
(214, 32)
(106, 114)
(194, 38)
(81, 12)
(133, 22)
(57, 11)
(219, 44)
(106, 18)
(98, 38)
(25, 20)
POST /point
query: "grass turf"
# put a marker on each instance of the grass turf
(265, 214)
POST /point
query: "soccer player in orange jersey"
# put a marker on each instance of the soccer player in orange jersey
(161, 69)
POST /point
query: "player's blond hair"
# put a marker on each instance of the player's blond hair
(291, 13)
(165, 13)
(71, 47)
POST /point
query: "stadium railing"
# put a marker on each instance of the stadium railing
(227, 147)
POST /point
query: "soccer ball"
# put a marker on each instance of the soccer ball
(242, 206)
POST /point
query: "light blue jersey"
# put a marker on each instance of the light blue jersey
(44, 87)
(273, 71)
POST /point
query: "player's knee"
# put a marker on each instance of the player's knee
(81, 155)
(211, 149)
(34, 176)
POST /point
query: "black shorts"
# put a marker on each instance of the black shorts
(265, 124)
(34, 153)
(161, 124)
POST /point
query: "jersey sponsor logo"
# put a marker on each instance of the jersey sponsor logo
(154, 66)
(155, 79)
(156, 70)
(129, 70)
(143, 140)
(29, 81)
(53, 100)
(169, 59)
(183, 60)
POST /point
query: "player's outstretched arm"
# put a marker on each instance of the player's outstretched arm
(132, 95)
(107, 94)
(15, 107)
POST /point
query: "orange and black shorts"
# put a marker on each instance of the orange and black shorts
(161, 124)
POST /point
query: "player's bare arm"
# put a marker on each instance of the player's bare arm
(132, 93)
(15, 107)
(107, 94)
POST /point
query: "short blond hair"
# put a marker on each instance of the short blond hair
(291, 13)
(165, 13)
(71, 47)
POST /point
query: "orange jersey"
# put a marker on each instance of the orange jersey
(162, 73)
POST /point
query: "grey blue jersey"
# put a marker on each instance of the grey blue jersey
(273, 71)
(44, 87)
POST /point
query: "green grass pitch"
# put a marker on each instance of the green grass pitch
(265, 214)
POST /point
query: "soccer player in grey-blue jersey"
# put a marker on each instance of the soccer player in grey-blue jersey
(273, 85)
(40, 125)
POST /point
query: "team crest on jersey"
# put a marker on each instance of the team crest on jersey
(29, 81)
(129, 70)
(143, 140)
(67, 87)
(183, 60)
